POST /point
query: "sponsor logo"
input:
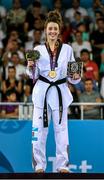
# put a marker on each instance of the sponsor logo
(34, 134)
(7, 126)
(83, 167)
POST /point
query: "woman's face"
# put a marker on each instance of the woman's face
(52, 31)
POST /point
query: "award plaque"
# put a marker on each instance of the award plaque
(75, 67)
(32, 55)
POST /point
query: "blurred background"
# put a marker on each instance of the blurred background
(22, 28)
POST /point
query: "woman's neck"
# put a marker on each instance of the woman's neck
(52, 44)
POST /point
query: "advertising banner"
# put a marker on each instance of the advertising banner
(86, 150)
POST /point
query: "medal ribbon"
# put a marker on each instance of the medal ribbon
(54, 55)
(33, 73)
(52, 58)
(53, 61)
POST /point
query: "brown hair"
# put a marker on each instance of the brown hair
(54, 16)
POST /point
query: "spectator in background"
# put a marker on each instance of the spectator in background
(27, 97)
(32, 15)
(102, 75)
(1, 51)
(97, 41)
(93, 25)
(57, 5)
(10, 111)
(97, 6)
(20, 68)
(36, 40)
(11, 47)
(16, 16)
(90, 71)
(90, 96)
(66, 34)
(46, 5)
(77, 20)
(3, 26)
(102, 64)
(79, 44)
(90, 67)
(13, 34)
(38, 26)
(11, 83)
(75, 7)
(6, 4)
(102, 88)
(3, 11)
(82, 27)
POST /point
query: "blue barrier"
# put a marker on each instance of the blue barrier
(15, 146)
(86, 146)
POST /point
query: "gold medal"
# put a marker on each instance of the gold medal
(52, 74)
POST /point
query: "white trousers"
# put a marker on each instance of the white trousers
(39, 142)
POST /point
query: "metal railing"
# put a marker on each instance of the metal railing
(81, 105)
(26, 109)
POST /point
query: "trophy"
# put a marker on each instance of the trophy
(75, 67)
(32, 55)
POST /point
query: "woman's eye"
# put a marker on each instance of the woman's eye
(50, 28)
(55, 28)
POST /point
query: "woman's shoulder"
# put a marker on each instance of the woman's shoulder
(38, 46)
(67, 46)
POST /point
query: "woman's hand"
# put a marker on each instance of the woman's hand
(30, 63)
(75, 76)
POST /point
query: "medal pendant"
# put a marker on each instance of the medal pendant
(52, 74)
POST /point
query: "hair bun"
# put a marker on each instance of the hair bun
(54, 16)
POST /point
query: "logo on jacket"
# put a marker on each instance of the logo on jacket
(34, 134)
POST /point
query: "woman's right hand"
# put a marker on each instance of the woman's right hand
(30, 63)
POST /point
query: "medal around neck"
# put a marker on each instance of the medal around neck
(75, 67)
(52, 74)
(32, 55)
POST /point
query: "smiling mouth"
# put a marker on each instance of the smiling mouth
(53, 35)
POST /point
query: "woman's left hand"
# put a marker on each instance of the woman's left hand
(76, 76)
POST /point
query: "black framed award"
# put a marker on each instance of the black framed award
(75, 67)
